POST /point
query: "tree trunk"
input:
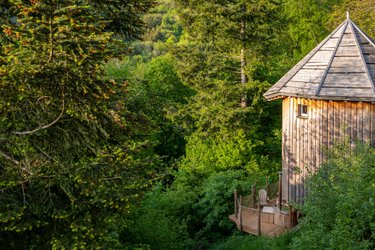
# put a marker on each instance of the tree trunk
(243, 56)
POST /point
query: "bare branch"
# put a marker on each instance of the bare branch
(47, 155)
(39, 128)
(23, 193)
(45, 126)
(42, 97)
(110, 179)
(7, 157)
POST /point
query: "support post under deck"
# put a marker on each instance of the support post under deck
(280, 190)
(235, 203)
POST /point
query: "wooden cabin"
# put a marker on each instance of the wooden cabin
(328, 95)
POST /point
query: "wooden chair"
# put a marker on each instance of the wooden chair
(263, 201)
(263, 198)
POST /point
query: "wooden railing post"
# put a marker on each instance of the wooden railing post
(280, 190)
(235, 203)
(259, 220)
(254, 195)
(267, 185)
(240, 209)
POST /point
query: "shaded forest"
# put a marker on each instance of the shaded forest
(129, 124)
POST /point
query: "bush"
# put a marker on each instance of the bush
(216, 201)
(340, 208)
(255, 243)
(187, 215)
(162, 222)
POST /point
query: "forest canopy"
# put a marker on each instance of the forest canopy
(129, 124)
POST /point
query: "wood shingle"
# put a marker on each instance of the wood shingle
(341, 67)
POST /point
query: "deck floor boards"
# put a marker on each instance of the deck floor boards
(250, 224)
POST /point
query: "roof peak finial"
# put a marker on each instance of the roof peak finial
(347, 14)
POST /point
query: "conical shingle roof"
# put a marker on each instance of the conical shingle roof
(342, 67)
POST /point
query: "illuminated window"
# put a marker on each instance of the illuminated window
(302, 111)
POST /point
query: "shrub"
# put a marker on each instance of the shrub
(162, 221)
(340, 208)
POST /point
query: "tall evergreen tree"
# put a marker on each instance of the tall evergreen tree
(224, 57)
(307, 23)
(72, 157)
(362, 12)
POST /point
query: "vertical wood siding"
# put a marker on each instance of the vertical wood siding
(306, 139)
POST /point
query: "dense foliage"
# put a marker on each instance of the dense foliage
(242, 242)
(73, 157)
(224, 60)
(128, 124)
(339, 211)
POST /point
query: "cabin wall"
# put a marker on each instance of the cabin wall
(305, 139)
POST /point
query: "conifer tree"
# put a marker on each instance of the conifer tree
(362, 12)
(307, 23)
(225, 59)
(72, 157)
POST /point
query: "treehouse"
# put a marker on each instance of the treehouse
(328, 95)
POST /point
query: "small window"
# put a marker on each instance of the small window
(302, 111)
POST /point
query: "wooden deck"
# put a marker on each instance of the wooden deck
(250, 223)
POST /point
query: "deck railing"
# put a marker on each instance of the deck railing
(250, 202)
(238, 208)
(251, 222)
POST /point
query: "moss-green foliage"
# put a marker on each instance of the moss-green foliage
(73, 158)
(169, 112)
(339, 210)
(163, 30)
(255, 243)
(189, 214)
(307, 23)
(166, 94)
(163, 221)
(361, 12)
(216, 200)
(226, 152)
(156, 91)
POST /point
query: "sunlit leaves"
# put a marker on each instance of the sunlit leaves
(339, 209)
(73, 157)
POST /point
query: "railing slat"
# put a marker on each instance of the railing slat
(235, 203)
(240, 208)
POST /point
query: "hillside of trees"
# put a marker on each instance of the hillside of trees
(129, 124)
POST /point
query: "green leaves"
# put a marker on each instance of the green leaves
(307, 23)
(225, 135)
(339, 210)
(216, 199)
(361, 12)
